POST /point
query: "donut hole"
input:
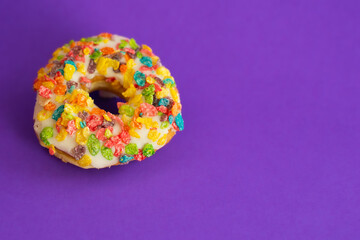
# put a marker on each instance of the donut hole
(106, 100)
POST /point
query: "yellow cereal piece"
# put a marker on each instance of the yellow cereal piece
(162, 71)
(90, 102)
(65, 49)
(60, 98)
(57, 52)
(153, 135)
(81, 68)
(133, 133)
(175, 94)
(130, 92)
(150, 80)
(104, 63)
(61, 135)
(144, 46)
(68, 71)
(148, 122)
(162, 140)
(136, 100)
(125, 119)
(77, 122)
(43, 115)
(163, 93)
(41, 73)
(130, 63)
(84, 161)
(105, 40)
(82, 136)
(106, 117)
(52, 150)
(154, 59)
(69, 108)
(86, 51)
(128, 77)
(48, 84)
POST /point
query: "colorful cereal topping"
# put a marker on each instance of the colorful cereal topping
(68, 113)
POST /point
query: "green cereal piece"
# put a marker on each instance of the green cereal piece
(123, 44)
(148, 91)
(148, 150)
(131, 149)
(127, 110)
(164, 125)
(45, 134)
(133, 44)
(107, 153)
(149, 99)
(93, 145)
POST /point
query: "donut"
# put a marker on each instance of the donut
(74, 129)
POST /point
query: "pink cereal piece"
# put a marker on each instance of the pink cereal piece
(84, 80)
(111, 79)
(162, 109)
(129, 50)
(117, 119)
(125, 137)
(119, 148)
(44, 92)
(80, 58)
(157, 88)
(175, 126)
(146, 52)
(148, 110)
(93, 121)
(71, 128)
(101, 134)
(140, 156)
(145, 68)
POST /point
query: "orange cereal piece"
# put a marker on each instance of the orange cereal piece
(105, 35)
(60, 89)
(59, 79)
(97, 111)
(107, 50)
(123, 68)
(127, 57)
(176, 109)
(37, 84)
(50, 106)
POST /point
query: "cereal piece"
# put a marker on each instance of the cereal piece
(52, 149)
(69, 70)
(107, 153)
(61, 135)
(44, 92)
(93, 145)
(139, 78)
(43, 115)
(146, 61)
(78, 152)
(85, 161)
(82, 136)
(50, 106)
(131, 149)
(60, 89)
(125, 159)
(162, 140)
(148, 110)
(133, 133)
(45, 134)
(140, 156)
(179, 121)
(93, 121)
(153, 135)
(127, 110)
(71, 128)
(164, 102)
(148, 150)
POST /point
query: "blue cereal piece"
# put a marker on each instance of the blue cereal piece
(164, 102)
(179, 122)
(146, 61)
(57, 113)
(139, 78)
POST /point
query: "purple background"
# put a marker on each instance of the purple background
(270, 150)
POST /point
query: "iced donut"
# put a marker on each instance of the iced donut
(74, 129)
